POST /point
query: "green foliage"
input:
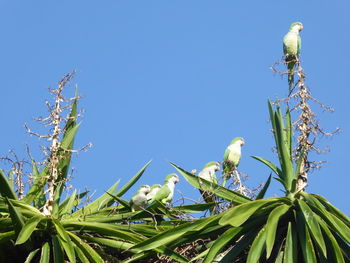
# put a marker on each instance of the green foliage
(298, 227)
(272, 229)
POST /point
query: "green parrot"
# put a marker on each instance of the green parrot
(166, 193)
(208, 173)
(139, 200)
(291, 50)
(154, 189)
(232, 157)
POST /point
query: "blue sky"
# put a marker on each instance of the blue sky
(173, 80)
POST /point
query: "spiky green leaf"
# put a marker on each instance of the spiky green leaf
(58, 256)
(6, 190)
(257, 248)
(290, 254)
(133, 180)
(28, 229)
(262, 192)
(67, 247)
(16, 216)
(269, 164)
(305, 239)
(45, 253)
(67, 207)
(31, 255)
(101, 202)
(313, 225)
(220, 243)
(216, 189)
(236, 216)
(88, 251)
(271, 226)
(36, 192)
(332, 244)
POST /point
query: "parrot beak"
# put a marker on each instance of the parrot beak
(301, 27)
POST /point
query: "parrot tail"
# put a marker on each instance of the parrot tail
(290, 80)
(291, 61)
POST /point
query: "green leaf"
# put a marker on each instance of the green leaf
(344, 247)
(313, 225)
(10, 179)
(218, 190)
(171, 235)
(80, 255)
(64, 240)
(45, 253)
(63, 234)
(72, 116)
(57, 198)
(90, 253)
(76, 202)
(31, 255)
(7, 236)
(118, 244)
(241, 245)
(221, 242)
(26, 210)
(272, 119)
(305, 239)
(122, 245)
(16, 217)
(193, 208)
(279, 258)
(68, 138)
(338, 225)
(289, 133)
(332, 244)
(283, 151)
(271, 226)
(5, 188)
(67, 142)
(58, 256)
(67, 247)
(103, 201)
(36, 192)
(101, 228)
(236, 216)
(28, 229)
(120, 201)
(258, 245)
(137, 257)
(133, 180)
(67, 207)
(269, 164)
(333, 210)
(262, 192)
(290, 251)
(65, 152)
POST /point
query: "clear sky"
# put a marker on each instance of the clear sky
(173, 80)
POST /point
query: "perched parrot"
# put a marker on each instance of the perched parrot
(291, 49)
(139, 200)
(166, 193)
(208, 173)
(154, 189)
(232, 157)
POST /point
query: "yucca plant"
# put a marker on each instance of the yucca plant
(299, 227)
(41, 227)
